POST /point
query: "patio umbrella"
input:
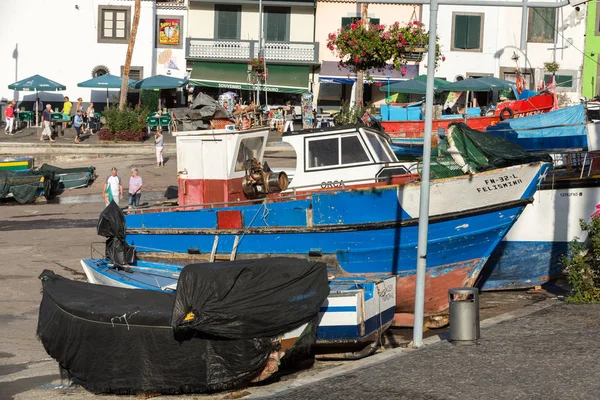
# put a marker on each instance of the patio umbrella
(107, 81)
(496, 83)
(159, 82)
(472, 85)
(36, 83)
(415, 86)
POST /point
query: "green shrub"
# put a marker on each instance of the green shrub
(351, 115)
(149, 99)
(582, 264)
(127, 120)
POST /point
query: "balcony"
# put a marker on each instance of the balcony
(304, 53)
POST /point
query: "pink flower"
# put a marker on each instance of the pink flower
(443, 58)
(403, 71)
(379, 84)
(353, 27)
(356, 60)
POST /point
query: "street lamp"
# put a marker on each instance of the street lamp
(387, 100)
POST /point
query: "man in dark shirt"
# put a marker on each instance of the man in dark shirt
(47, 131)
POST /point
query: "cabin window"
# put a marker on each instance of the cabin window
(249, 149)
(379, 148)
(353, 151)
(467, 31)
(540, 27)
(323, 153)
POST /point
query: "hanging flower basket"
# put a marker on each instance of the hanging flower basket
(414, 54)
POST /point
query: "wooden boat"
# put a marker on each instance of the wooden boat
(356, 312)
(350, 204)
(540, 103)
(16, 164)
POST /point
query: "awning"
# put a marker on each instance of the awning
(281, 78)
(331, 73)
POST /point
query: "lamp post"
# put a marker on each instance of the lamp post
(387, 100)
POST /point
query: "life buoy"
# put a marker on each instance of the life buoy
(506, 113)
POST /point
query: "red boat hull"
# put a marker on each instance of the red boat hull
(541, 103)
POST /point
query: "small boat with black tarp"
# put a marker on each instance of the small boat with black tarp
(69, 178)
(226, 326)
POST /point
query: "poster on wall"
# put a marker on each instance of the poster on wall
(169, 31)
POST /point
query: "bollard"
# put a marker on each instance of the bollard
(464, 315)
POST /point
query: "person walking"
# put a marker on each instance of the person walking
(91, 116)
(113, 190)
(289, 117)
(66, 112)
(38, 108)
(135, 188)
(159, 141)
(78, 124)
(9, 115)
(46, 131)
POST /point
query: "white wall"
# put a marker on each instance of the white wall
(69, 58)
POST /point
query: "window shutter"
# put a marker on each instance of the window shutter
(473, 31)
(277, 21)
(460, 31)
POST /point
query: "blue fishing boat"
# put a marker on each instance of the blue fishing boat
(350, 204)
(356, 312)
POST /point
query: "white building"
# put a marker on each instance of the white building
(478, 41)
(71, 41)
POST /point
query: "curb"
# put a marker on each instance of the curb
(97, 198)
(265, 392)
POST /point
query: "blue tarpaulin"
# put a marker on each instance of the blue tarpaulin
(560, 129)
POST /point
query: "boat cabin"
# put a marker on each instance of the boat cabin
(335, 157)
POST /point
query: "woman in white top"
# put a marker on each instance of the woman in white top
(91, 114)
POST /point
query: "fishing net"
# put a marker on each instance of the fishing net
(466, 151)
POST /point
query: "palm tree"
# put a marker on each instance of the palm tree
(134, 27)
(360, 75)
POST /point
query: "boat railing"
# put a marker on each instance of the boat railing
(95, 251)
(571, 163)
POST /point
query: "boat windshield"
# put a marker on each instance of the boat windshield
(249, 149)
(383, 152)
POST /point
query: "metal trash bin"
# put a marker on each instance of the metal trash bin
(464, 314)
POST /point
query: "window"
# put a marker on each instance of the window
(227, 21)
(562, 81)
(349, 20)
(135, 73)
(249, 148)
(540, 26)
(323, 153)
(353, 151)
(380, 150)
(114, 24)
(467, 31)
(277, 21)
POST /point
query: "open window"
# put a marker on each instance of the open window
(249, 148)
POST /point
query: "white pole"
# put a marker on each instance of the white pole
(37, 104)
(424, 201)
(260, 35)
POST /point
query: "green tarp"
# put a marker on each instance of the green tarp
(281, 78)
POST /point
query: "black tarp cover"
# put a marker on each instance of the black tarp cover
(116, 340)
(25, 186)
(249, 298)
(111, 225)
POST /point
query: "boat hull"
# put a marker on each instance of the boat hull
(530, 253)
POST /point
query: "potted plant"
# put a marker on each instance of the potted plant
(257, 68)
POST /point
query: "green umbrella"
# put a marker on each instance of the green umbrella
(159, 82)
(107, 81)
(36, 83)
(469, 84)
(496, 83)
(415, 86)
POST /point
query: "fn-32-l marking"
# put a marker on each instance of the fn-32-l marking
(500, 183)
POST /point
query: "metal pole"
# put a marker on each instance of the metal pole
(388, 97)
(424, 201)
(524, 28)
(478, 3)
(260, 35)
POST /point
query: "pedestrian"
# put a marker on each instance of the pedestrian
(77, 124)
(79, 105)
(289, 117)
(159, 141)
(135, 188)
(91, 116)
(66, 112)
(38, 108)
(46, 131)
(9, 114)
(113, 190)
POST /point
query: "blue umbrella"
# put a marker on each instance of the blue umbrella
(107, 81)
(36, 83)
(159, 82)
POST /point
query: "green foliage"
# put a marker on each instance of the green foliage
(551, 66)
(149, 99)
(124, 136)
(582, 264)
(361, 48)
(126, 120)
(351, 115)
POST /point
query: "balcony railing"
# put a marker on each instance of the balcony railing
(244, 50)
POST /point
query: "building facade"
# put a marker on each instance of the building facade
(479, 41)
(591, 60)
(335, 84)
(95, 44)
(223, 36)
